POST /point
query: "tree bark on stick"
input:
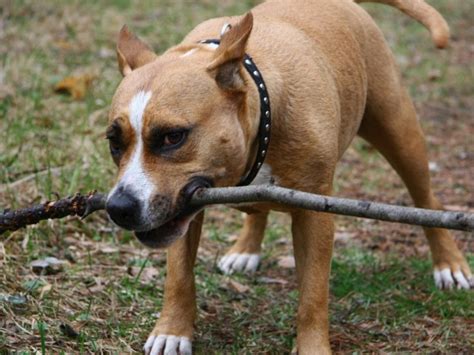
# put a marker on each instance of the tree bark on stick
(343, 206)
(83, 205)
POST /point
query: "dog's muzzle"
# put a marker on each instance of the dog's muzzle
(176, 226)
(124, 209)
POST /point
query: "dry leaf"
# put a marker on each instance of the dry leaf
(271, 280)
(459, 208)
(238, 287)
(47, 266)
(96, 288)
(287, 262)
(64, 45)
(44, 289)
(68, 330)
(109, 250)
(148, 273)
(344, 236)
(76, 86)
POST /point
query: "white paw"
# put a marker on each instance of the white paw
(239, 262)
(445, 279)
(167, 345)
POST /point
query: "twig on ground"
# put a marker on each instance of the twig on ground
(83, 205)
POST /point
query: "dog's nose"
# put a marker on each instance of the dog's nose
(124, 209)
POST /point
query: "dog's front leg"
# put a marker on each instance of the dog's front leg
(313, 235)
(174, 329)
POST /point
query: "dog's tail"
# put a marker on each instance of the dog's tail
(423, 13)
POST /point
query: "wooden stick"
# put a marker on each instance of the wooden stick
(343, 206)
(77, 205)
(83, 205)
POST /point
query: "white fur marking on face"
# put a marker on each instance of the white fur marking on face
(167, 344)
(134, 177)
(188, 53)
(237, 262)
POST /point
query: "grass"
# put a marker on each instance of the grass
(108, 295)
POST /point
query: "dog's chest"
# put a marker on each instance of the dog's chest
(265, 176)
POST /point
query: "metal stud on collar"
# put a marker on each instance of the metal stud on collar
(265, 113)
(265, 120)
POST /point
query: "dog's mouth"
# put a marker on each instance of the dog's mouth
(166, 234)
(177, 226)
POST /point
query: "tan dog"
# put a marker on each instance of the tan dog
(189, 118)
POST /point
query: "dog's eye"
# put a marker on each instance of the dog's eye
(174, 138)
(115, 148)
(165, 141)
(115, 138)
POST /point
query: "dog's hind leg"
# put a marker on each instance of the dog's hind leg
(245, 253)
(391, 125)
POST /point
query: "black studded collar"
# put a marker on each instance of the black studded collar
(263, 135)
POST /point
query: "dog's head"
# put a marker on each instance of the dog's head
(177, 122)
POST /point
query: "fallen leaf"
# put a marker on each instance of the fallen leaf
(434, 167)
(47, 266)
(271, 280)
(96, 288)
(238, 287)
(44, 289)
(434, 74)
(344, 236)
(14, 299)
(68, 331)
(459, 208)
(287, 262)
(76, 86)
(232, 238)
(148, 273)
(64, 45)
(109, 250)
(18, 303)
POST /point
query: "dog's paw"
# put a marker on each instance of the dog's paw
(236, 262)
(167, 345)
(447, 279)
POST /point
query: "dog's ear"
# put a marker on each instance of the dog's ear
(132, 52)
(226, 65)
